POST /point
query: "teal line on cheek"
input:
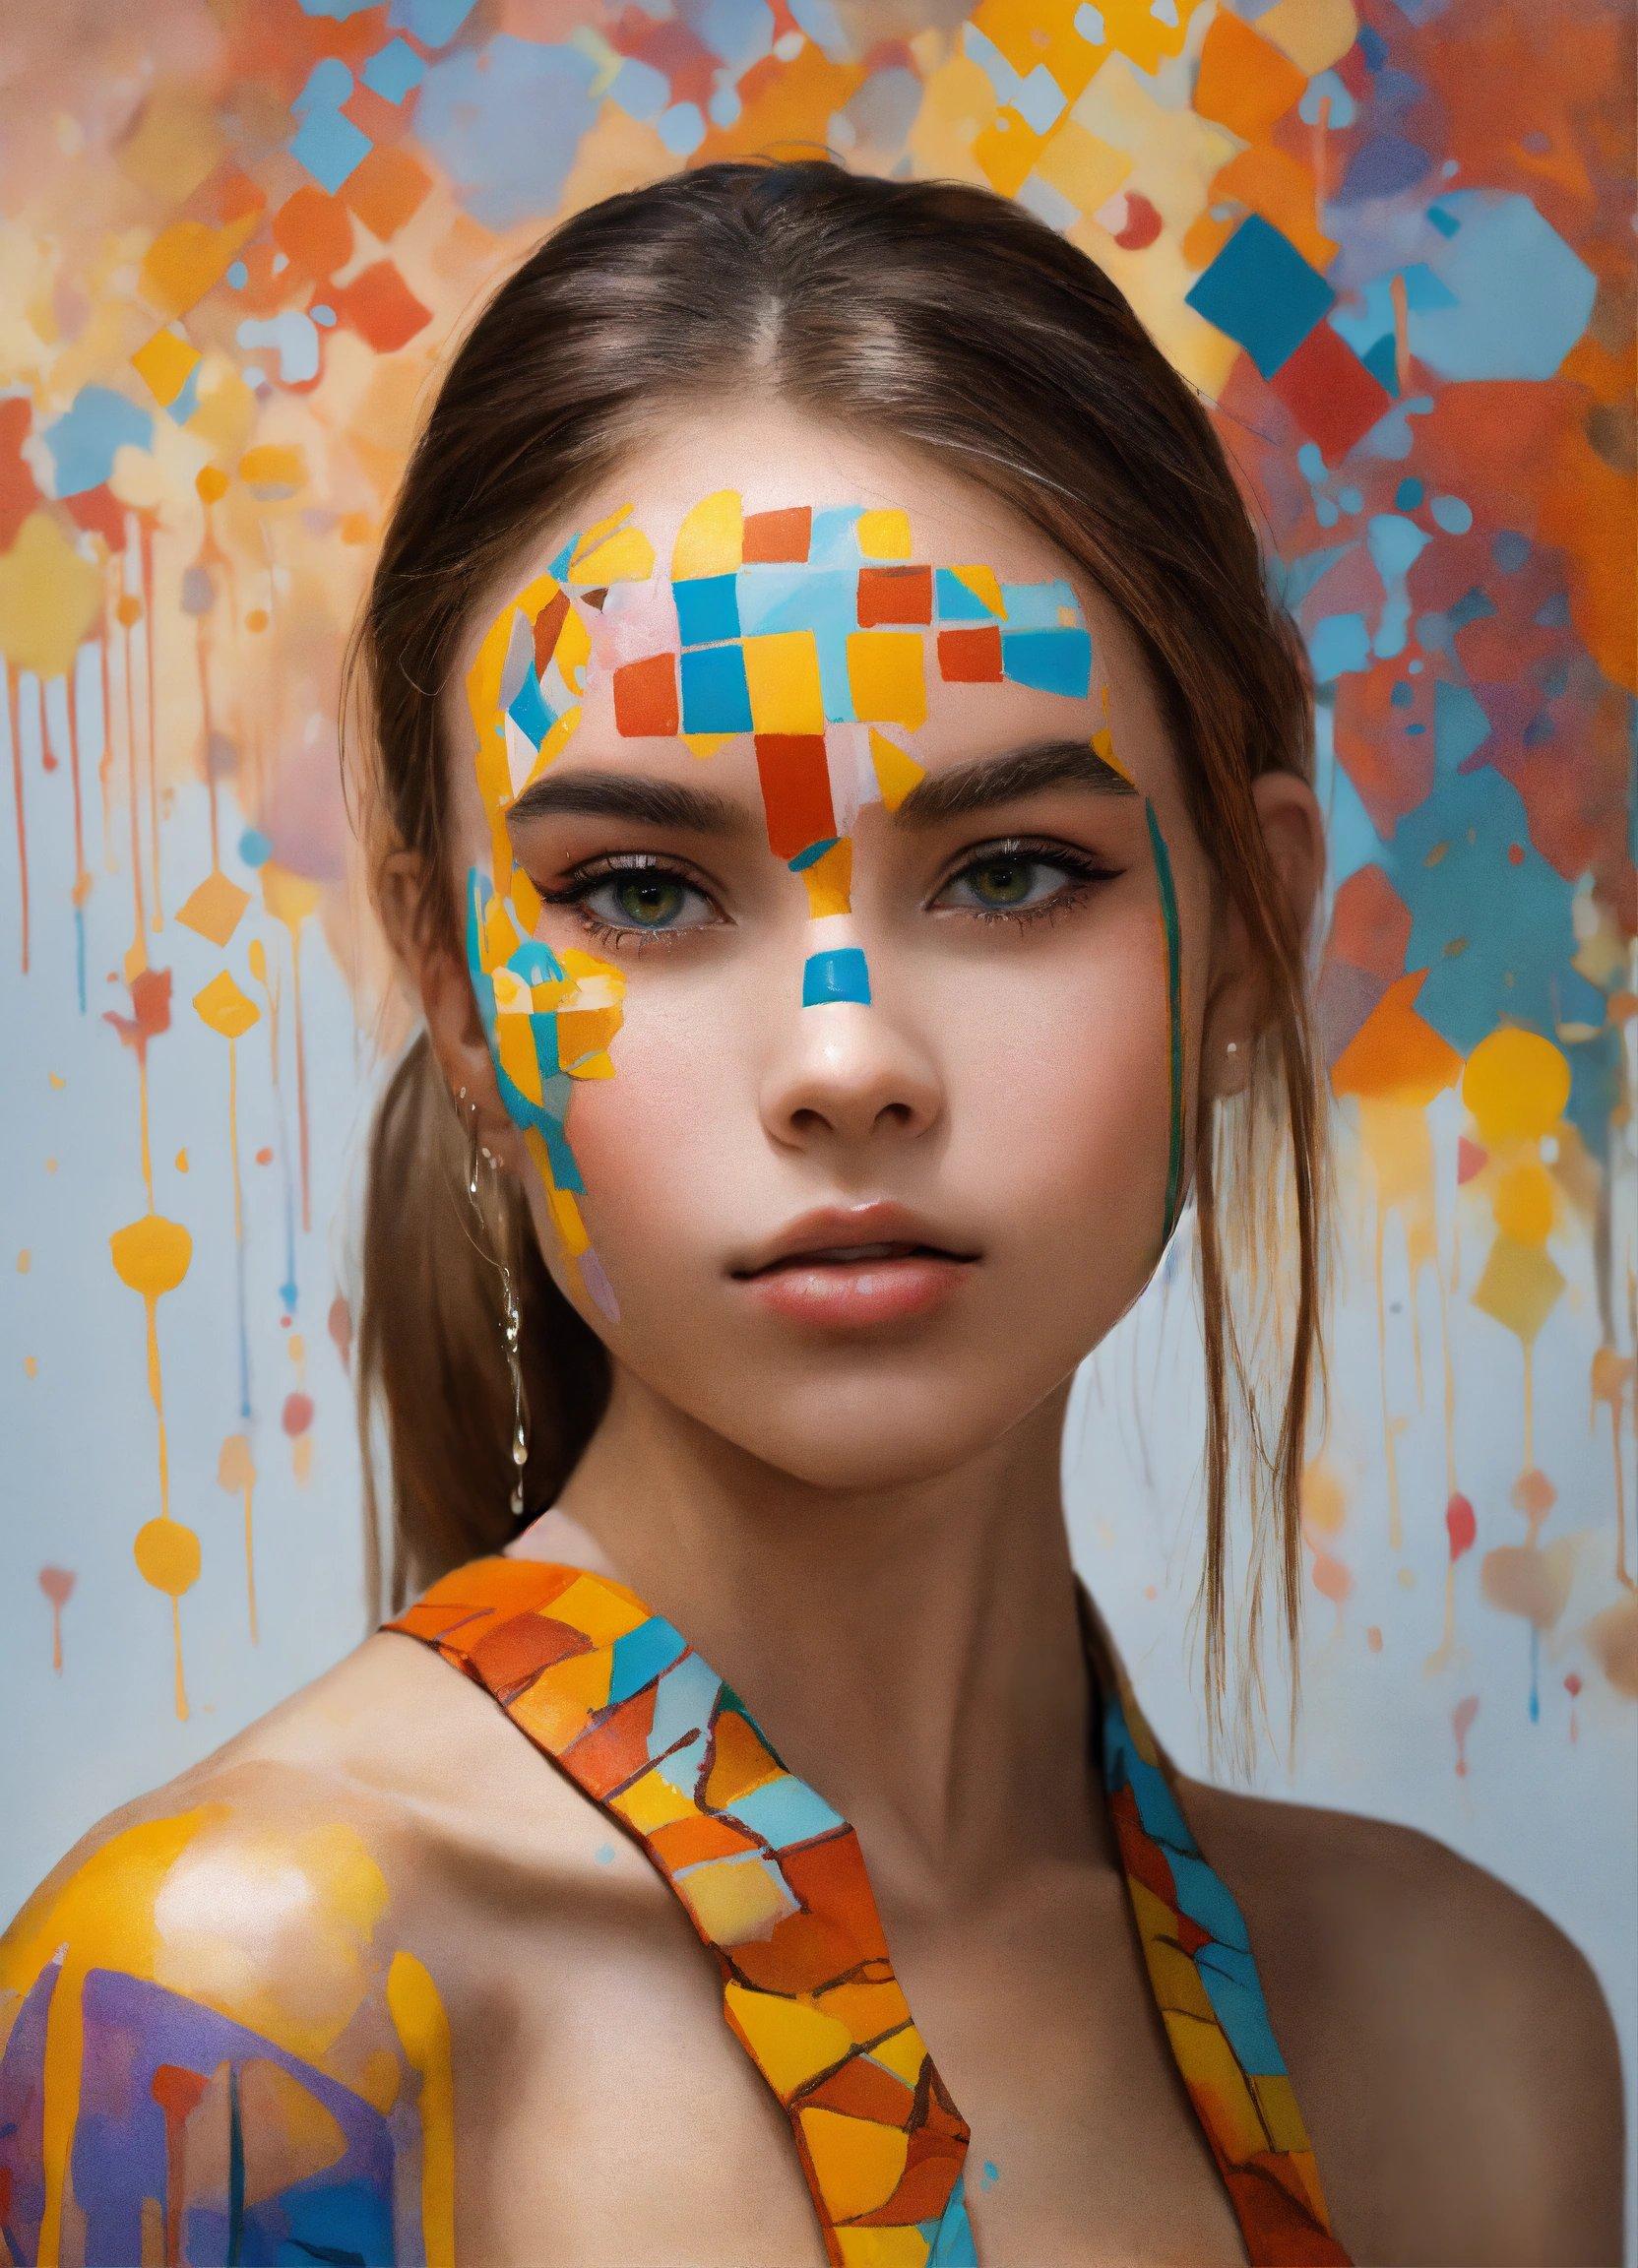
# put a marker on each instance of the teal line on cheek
(1174, 1015)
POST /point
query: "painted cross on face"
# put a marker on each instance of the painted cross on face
(810, 630)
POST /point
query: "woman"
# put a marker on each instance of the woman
(839, 789)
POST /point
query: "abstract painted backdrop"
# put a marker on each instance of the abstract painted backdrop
(1389, 241)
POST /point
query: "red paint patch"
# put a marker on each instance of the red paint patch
(777, 537)
(646, 698)
(298, 1414)
(1142, 224)
(895, 594)
(971, 656)
(796, 791)
(1329, 390)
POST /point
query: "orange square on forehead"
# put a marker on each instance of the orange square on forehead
(895, 594)
(777, 535)
(796, 791)
(971, 656)
(646, 698)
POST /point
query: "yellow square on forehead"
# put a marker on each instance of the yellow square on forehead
(884, 534)
(711, 538)
(782, 670)
(896, 772)
(627, 556)
(886, 675)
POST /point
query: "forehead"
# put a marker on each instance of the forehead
(779, 577)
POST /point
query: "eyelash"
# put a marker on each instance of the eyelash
(1084, 870)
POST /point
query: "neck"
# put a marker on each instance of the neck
(914, 1652)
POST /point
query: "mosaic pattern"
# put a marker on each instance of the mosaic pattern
(806, 629)
(774, 1882)
(1200, 1964)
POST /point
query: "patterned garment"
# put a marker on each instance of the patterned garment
(774, 1882)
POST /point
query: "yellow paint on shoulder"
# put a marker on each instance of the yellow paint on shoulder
(422, 2028)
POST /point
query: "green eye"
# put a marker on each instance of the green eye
(647, 901)
(1003, 881)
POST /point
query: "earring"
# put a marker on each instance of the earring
(511, 1314)
(1232, 1049)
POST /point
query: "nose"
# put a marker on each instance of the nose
(851, 1072)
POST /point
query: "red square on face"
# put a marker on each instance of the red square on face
(646, 697)
(895, 594)
(971, 656)
(796, 791)
(772, 537)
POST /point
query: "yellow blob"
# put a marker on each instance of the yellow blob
(1516, 1085)
(50, 598)
(152, 1255)
(1525, 1203)
(225, 1007)
(167, 1556)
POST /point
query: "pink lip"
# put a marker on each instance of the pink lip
(814, 1271)
(852, 1294)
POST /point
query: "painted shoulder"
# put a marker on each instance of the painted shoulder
(1437, 2022)
(213, 2044)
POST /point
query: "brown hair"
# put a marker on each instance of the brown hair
(933, 314)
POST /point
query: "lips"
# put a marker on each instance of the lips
(853, 1269)
(854, 1237)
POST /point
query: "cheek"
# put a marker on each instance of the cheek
(1070, 1086)
(659, 1129)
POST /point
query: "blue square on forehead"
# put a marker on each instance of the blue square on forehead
(1037, 605)
(528, 710)
(954, 602)
(708, 610)
(714, 695)
(834, 538)
(1052, 661)
(774, 598)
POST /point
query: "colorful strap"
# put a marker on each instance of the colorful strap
(1205, 1981)
(775, 1884)
(772, 1878)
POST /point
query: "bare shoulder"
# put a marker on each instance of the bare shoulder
(1452, 2047)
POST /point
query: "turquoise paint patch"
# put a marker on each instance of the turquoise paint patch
(642, 1654)
(1051, 661)
(838, 975)
(714, 695)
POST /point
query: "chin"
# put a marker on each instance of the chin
(867, 1435)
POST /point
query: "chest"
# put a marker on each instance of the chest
(606, 2114)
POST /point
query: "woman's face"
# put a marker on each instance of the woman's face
(839, 940)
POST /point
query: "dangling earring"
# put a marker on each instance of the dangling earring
(511, 1314)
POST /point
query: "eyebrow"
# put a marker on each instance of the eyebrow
(949, 795)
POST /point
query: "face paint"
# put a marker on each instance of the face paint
(811, 629)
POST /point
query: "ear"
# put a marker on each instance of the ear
(1239, 1005)
(441, 980)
